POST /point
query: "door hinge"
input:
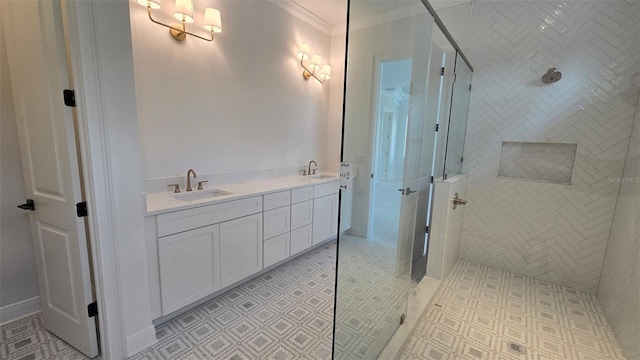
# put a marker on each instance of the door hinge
(442, 71)
(461, 158)
(81, 209)
(402, 318)
(69, 97)
(92, 309)
(426, 229)
(372, 176)
(437, 127)
(432, 179)
(469, 87)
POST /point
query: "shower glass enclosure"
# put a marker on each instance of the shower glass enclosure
(393, 103)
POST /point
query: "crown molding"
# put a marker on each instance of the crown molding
(303, 14)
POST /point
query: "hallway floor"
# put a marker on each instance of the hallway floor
(478, 311)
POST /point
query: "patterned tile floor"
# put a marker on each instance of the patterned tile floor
(286, 313)
(372, 289)
(478, 310)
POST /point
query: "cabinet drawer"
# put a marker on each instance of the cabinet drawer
(325, 189)
(277, 222)
(302, 194)
(276, 249)
(183, 220)
(276, 200)
(301, 214)
(189, 267)
(301, 239)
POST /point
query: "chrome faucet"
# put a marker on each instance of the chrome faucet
(191, 171)
(314, 170)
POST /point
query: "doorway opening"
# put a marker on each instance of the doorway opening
(390, 141)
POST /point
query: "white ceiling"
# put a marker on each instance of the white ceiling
(334, 12)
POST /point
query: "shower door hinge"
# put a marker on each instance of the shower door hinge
(426, 229)
(69, 97)
(469, 87)
(402, 317)
(442, 71)
(92, 309)
(462, 159)
(437, 127)
(432, 179)
(372, 176)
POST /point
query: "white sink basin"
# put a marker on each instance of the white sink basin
(322, 176)
(200, 194)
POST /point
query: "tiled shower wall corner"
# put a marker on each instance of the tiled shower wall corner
(552, 232)
(619, 290)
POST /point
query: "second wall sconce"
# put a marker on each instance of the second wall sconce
(183, 11)
(313, 65)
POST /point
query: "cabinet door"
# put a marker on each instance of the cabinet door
(240, 248)
(189, 267)
(325, 218)
(301, 239)
(276, 249)
(301, 214)
(277, 222)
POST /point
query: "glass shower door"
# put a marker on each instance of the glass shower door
(373, 271)
(457, 119)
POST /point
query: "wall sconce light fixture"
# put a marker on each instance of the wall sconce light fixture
(313, 65)
(183, 11)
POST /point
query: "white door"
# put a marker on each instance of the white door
(39, 73)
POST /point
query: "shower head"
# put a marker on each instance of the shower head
(551, 76)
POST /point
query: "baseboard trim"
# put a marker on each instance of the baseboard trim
(19, 309)
(141, 340)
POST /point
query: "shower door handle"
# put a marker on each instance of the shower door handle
(407, 191)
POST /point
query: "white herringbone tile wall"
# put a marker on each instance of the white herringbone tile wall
(619, 289)
(553, 232)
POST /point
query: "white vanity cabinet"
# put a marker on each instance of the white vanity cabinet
(198, 252)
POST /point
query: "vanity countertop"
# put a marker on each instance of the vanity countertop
(164, 202)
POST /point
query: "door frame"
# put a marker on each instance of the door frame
(87, 39)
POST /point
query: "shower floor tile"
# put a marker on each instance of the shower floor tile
(479, 312)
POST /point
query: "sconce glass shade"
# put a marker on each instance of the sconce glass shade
(314, 64)
(303, 52)
(183, 10)
(154, 4)
(325, 73)
(212, 21)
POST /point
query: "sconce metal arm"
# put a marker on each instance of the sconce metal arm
(308, 73)
(178, 31)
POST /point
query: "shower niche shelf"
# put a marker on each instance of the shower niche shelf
(538, 161)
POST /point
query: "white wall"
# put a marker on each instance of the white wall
(18, 277)
(553, 232)
(619, 289)
(457, 19)
(336, 92)
(238, 103)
